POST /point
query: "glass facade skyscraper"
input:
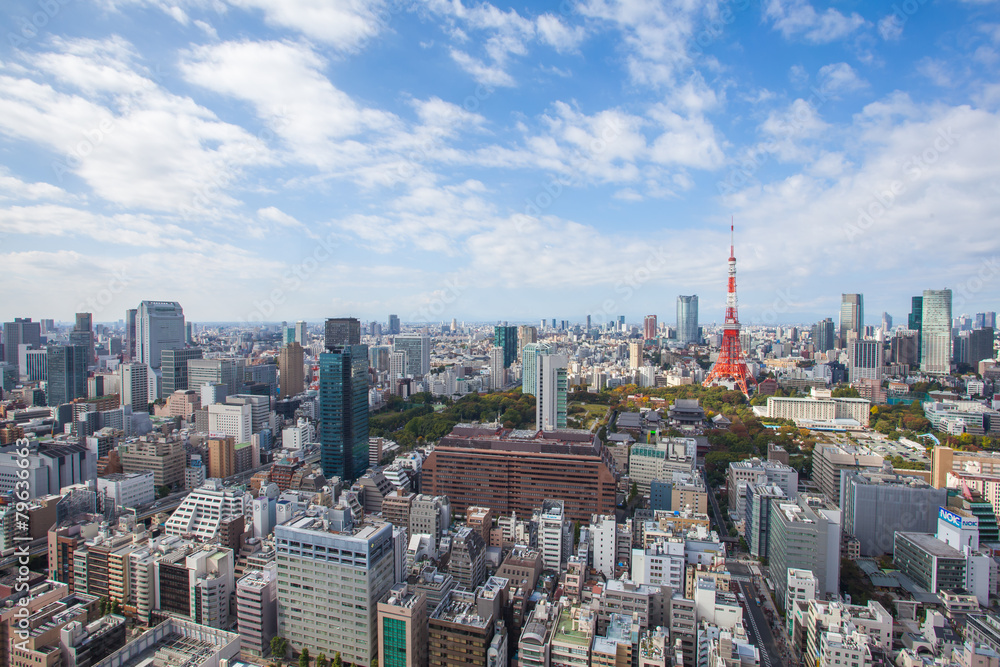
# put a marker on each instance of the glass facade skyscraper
(935, 332)
(67, 365)
(506, 337)
(852, 317)
(343, 406)
(159, 326)
(687, 319)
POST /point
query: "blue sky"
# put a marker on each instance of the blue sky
(311, 158)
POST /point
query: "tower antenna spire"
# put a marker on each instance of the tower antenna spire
(731, 364)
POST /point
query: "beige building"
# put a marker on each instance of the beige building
(164, 455)
(829, 459)
(946, 459)
(290, 365)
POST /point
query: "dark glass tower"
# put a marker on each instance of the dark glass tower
(67, 373)
(506, 338)
(343, 401)
(915, 321)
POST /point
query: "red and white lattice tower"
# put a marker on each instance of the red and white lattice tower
(731, 364)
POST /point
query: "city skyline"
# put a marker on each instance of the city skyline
(445, 160)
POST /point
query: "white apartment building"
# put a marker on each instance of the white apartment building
(232, 420)
(204, 510)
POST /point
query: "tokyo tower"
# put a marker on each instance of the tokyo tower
(731, 364)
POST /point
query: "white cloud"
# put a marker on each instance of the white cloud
(490, 75)
(838, 78)
(13, 188)
(149, 149)
(690, 142)
(799, 19)
(558, 35)
(890, 28)
(343, 24)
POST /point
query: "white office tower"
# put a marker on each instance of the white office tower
(935, 332)
(212, 393)
(550, 533)
(497, 370)
(159, 326)
(551, 387)
(205, 510)
(297, 437)
(135, 386)
(300, 333)
(264, 513)
(530, 354)
(257, 609)
(317, 610)
(865, 360)
(397, 365)
(802, 586)
(603, 540)
(211, 584)
(418, 352)
(232, 420)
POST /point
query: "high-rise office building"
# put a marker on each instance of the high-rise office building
(228, 372)
(529, 365)
(402, 624)
(397, 365)
(343, 402)
(174, 366)
(866, 359)
(135, 386)
(393, 325)
(687, 319)
(823, 335)
(635, 354)
(159, 326)
(300, 333)
(916, 319)
(935, 332)
(551, 387)
(526, 334)
(290, 364)
(886, 323)
(131, 317)
(497, 371)
(67, 368)
(342, 331)
(83, 334)
(649, 327)
(325, 619)
(981, 345)
(506, 337)
(22, 331)
(852, 317)
(418, 352)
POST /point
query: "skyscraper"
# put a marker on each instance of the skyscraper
(866, 359)
(525, 334)
(300, 333)
(649, 327)
(393, 325)
(135, 386)
(506, 338)
(290, 364)
(886, 322)
(343, 401)
(22, 331)
(916, 320)
(981, 345)
(159, 326)
(852, 317)
(823, 335)
(131, 315)
(497, 370)
(228, 372)
(418, 352)
(342, 331)
(551, 386)
(935, 332)
(174, 365)
(529, 365)
(687, 319)
(67, 367)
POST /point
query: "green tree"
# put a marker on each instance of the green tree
(304, 658)
(337, 661)
(279, 645)
(104, 606)
(163, 491)
(321, 660)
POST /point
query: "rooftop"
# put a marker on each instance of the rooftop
(927, 542)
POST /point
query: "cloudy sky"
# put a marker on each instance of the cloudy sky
(298, 159)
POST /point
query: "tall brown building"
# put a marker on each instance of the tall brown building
(221, 457)
(290, 361)
(514, 471)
